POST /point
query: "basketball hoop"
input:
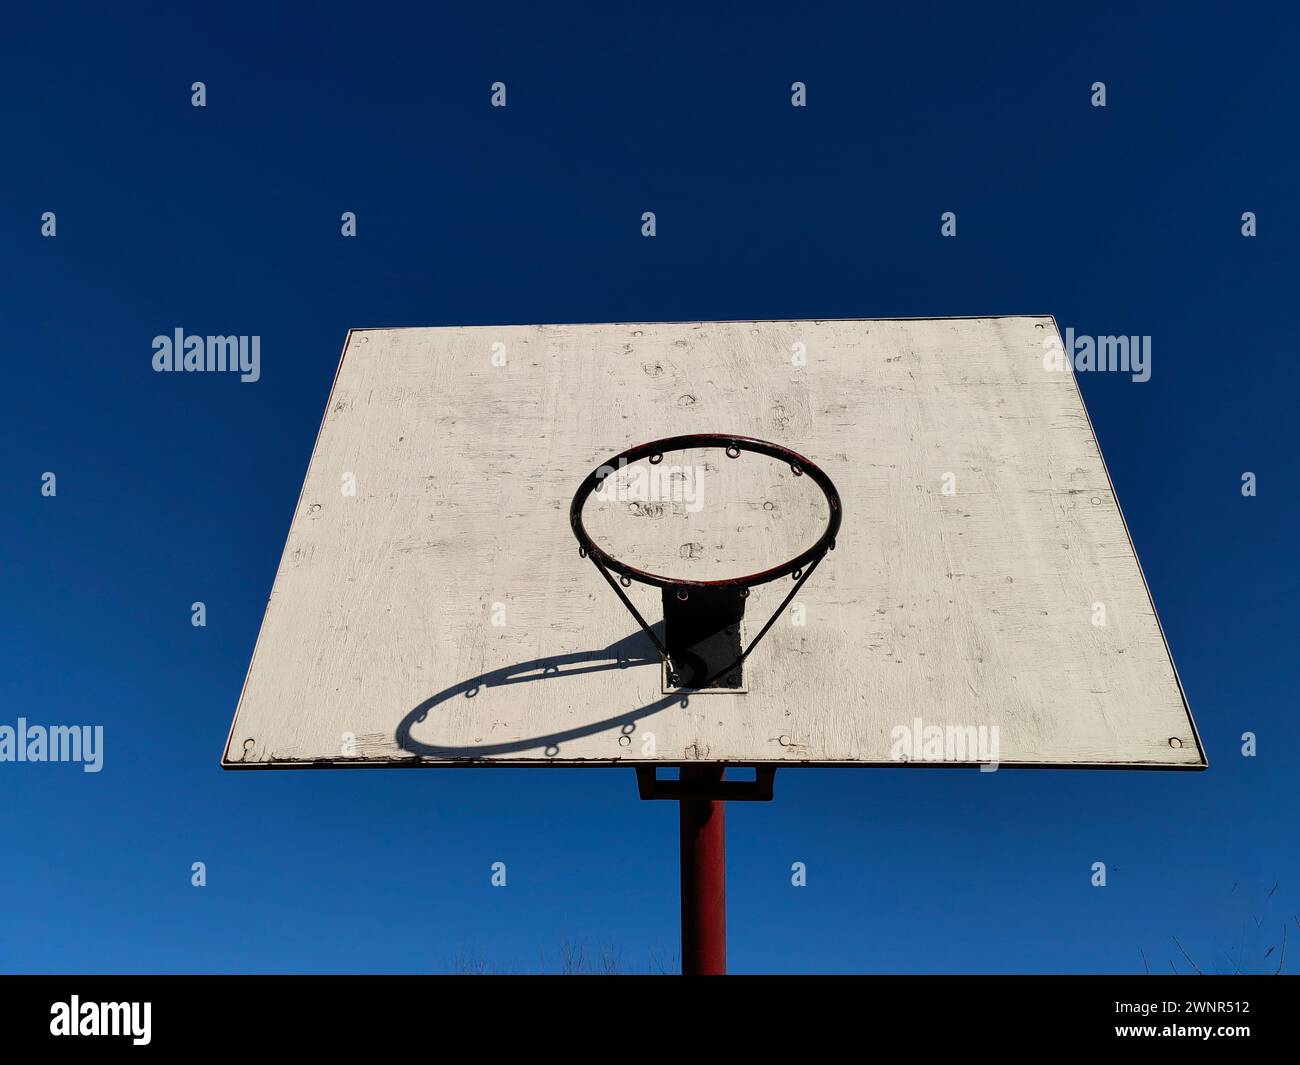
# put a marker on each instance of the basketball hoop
(701, 646)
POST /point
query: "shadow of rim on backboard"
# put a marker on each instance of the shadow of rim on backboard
(633, 650)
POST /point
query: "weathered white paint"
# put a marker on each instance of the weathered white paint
(968, 609)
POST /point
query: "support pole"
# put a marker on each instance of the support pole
(704, 877)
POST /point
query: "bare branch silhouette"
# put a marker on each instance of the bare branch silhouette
(1187, 956)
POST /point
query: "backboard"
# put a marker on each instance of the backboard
(431, 607)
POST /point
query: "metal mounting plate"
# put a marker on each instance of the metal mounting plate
(757, 790)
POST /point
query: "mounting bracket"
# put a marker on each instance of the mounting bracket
(757, 790)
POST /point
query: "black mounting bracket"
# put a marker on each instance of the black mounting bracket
(702, 635)
(757, 790)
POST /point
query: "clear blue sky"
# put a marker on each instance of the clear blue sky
(176, 488)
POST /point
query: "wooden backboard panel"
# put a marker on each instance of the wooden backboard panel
(441, 614)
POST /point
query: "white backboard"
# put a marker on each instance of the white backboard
(431, 607)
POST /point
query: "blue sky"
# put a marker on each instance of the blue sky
(175, 488)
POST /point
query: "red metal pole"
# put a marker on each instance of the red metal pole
(704, 878)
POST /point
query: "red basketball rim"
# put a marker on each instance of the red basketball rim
(800, 465)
